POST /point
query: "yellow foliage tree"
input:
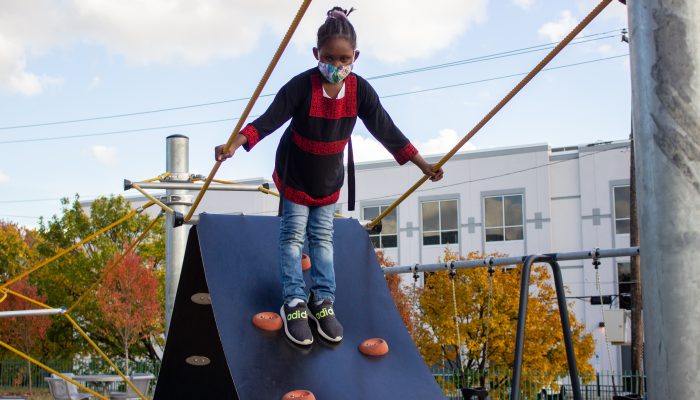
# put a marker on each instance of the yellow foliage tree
(544, 352)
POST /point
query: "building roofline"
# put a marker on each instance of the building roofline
(463, 155)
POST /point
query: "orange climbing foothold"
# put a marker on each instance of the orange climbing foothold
(267, 321)
(374, 347)
(305, 262)
(299, 395)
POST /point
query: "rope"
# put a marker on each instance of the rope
(488, 314)
(414, 311)
(114, 264)
(83, 334)
(159, 177)
(4, 296)
(153, 199)
(596, 264)
(104, 356)
(251, 102)
(599, 8)
(453, 273)
(53, 371)
(75, 246)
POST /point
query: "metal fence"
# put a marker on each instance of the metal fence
(534, 386)
(14, 374)
(537, 385)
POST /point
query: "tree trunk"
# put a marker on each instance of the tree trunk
(126, 357)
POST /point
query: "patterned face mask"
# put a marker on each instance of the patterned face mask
(334, 74)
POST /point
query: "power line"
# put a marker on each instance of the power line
(489, 57)
(232, 119)
(500, 77)
(495, 56)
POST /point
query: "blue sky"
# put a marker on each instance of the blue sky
(63, 60)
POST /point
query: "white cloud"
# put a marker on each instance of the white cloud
(444, 142)
(95, 81)
(395, 33)
(555, 31)
(196, 32)
(105, 154)
(524, 4)
(369, 149)
(3, 178)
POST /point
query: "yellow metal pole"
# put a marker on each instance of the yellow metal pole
(103, 355)
(251, 102)
(75, 246)
(23, 297)
(47, 368)
(153, 199)
(114, 264)
(559, 47)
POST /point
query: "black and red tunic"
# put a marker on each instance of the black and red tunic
(309, 161)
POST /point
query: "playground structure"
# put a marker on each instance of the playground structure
(664, 43)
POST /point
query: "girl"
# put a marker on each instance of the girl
(323, 104)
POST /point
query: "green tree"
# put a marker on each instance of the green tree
(66, 279)
(17, 249)
(488, 338)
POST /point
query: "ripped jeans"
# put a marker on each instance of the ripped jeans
(316, 223)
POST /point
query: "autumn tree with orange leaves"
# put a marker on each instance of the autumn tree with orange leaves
(128, 298)
(544, 351)
(401, 298)
(24, 333)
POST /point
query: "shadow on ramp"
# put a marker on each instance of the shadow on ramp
(234, 260)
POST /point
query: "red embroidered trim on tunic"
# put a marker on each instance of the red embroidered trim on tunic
(299, 197)
(323, 107)
(251, 133)
(406, 154)
(316, 147)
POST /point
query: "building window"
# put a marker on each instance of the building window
(387, 238)
(621, 196)
(440, 222)
(624, 284)
(503, 217)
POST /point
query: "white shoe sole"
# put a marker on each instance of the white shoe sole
(289, 336)
(321, 332)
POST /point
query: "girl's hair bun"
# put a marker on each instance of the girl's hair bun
(337, 25)
(339, 13)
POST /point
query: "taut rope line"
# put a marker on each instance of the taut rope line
(251, 102)
(597, 10)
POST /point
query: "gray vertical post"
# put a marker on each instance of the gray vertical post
(665, 62)
(177, 164)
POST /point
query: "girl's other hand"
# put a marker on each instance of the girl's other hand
(220, 155)
(434, 175)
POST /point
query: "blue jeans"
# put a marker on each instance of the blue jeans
(317, 224)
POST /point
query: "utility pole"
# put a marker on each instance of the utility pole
(177, 165)
(665, 65)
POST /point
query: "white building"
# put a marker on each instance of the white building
(513, 200)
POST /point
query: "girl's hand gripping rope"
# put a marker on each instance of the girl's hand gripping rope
(220, 155)
(427, 169)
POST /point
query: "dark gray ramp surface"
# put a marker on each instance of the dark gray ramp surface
(239, 261)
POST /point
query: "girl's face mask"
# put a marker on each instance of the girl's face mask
(334, 74)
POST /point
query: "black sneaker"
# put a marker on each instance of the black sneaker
(296, 323)
(326, 322)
